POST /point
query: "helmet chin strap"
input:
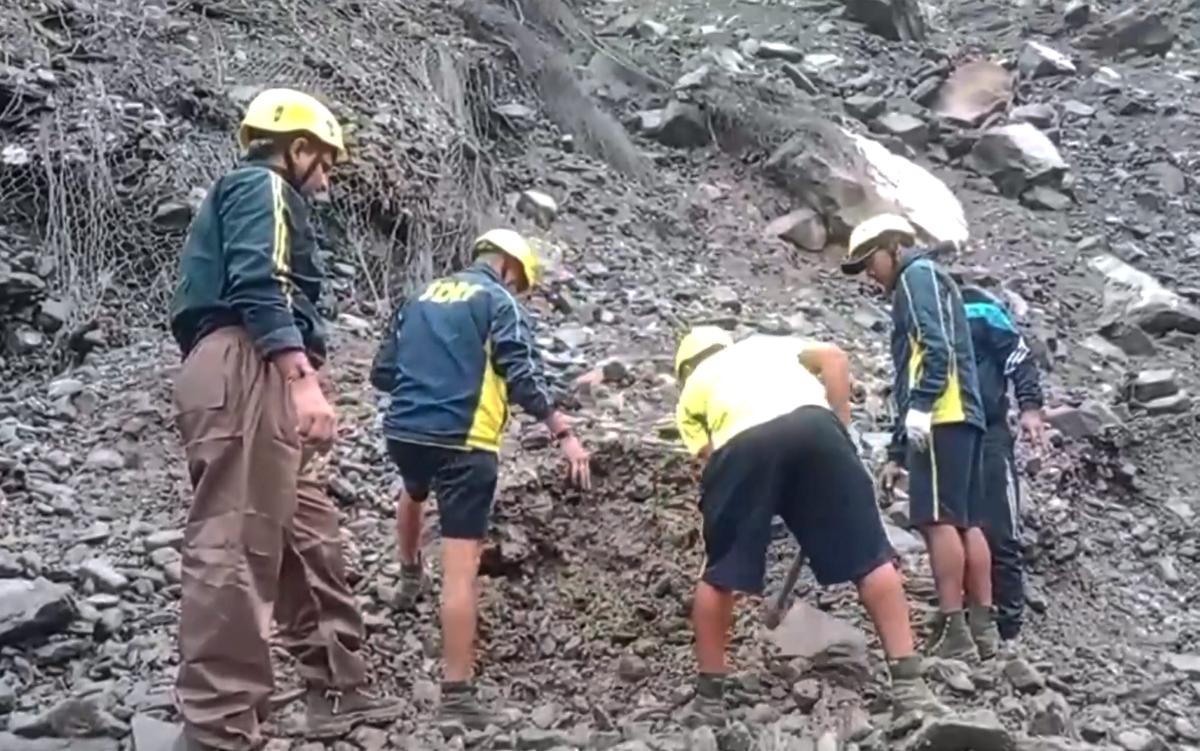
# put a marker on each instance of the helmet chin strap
(290, 164)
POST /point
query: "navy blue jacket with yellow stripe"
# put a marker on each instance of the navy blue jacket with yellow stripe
(250, 260)
(1001, 355)
(453, 358)
(932, 351)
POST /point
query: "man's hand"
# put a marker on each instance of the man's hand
(578, 462)
(316, 421)
(1034, 427)
(919, 428)
(889, 476)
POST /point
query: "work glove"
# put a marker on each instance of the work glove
(918, 426)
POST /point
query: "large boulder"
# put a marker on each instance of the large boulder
(33, 607)
(974, 92)
(848, 178)
(1134, 297)
(1144, 27)
(1016, 157)
(899, 20)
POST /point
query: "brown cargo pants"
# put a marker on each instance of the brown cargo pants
(261, 540)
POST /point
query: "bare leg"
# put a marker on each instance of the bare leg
(979, 567)
(712, 618)
(948, 559)
(882, 595)
(460, 567)
(408, 528)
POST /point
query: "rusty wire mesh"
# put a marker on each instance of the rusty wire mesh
(113, 110)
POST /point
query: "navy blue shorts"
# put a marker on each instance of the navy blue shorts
(464, 482)
(803, 467)
(945, 483)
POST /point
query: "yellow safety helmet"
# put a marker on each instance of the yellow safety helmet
(291, 111)
(512, 244)
(866, 236)
(697, 342)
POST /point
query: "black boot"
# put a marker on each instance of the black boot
(708, 706)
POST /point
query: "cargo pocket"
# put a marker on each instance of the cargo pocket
(202, 398)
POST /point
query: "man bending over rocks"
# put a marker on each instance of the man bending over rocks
(939, 437)
(1001, 356)
(262, 535)
(774, 440)
(451, 361)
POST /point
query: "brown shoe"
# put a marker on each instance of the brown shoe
(332, 714)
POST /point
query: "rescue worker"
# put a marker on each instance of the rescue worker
(938, 435)
(454, 357)
(1001, 357)
(769, 416)
(262, 535)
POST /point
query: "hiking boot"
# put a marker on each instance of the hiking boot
(951, 638)
(332, 713)
(461, 705)
(910, 693)
(413, 583)
(984, 631)
(708, 705)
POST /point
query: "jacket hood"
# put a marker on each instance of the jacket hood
(909, 256)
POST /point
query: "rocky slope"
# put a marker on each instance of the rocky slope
(670, 138)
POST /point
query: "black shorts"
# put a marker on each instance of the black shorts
(803, 467)
(463, 481)
(945, 482)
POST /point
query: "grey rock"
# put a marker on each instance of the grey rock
(1077, 13)
(903, 541)
(693, 79)
(1045, 197)
(1154, 384)
(778, 51)
(899, 20)
(632, 669)
(1016, 156)
(105, 458)
(167, 538)
(1169, 405)
(1130, 340)
(10, 742)
(97, 532)
(170, 562)
(1023, 676)
(173, 216)
(101, 573)
(1136, 298)
(70, 718)
(1140, 739)
(1170, 178)
(800, 79)
(515, 111)
(53, 315)
(23, 339)
(8, 697)
(1188, 664)
(803, 227)
(976, 730)
(806, 693)
(1038, 115)
(64, 387)
(735, 737)
(826, 641)
(1076, 108)
(911, 130)
(1186, 729)
(152, 734)
(1050, 715)
(1038, 61)
(864, 107)
(1084, 421)
(33, 608)
(1142, 27)
(536, 739)
(683, 126)
(703, 739)
(538, 206)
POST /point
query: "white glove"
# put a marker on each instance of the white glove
(919, 427)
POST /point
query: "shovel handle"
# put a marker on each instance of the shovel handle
(776, 609)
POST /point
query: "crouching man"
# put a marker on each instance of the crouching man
(775, 442)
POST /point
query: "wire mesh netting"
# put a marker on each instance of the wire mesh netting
(116, 115)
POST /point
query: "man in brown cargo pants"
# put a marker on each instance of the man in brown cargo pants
(261, 539)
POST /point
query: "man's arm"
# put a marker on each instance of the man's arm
(383, 367)
(830, 363)
(257, 252)
(691, 422)
(519, 362)
(922, 294)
